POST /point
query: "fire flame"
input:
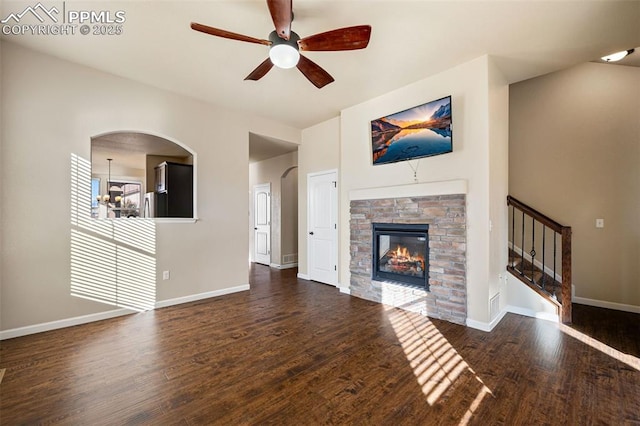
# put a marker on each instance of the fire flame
(402, 252)
(402, 255)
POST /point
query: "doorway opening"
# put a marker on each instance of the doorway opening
(273, 216)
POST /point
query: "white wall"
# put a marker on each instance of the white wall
(319, 151)
(498, 183)
(574, 156)
(50, 109)
(523, 300)
(476, 91)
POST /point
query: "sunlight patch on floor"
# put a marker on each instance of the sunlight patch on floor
(435, 363)
(475, 404)
(630, 360)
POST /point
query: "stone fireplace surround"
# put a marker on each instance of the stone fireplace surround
(445, 212)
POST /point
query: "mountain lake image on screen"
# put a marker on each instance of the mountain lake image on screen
(421, 131)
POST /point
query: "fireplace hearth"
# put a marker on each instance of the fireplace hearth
(401, 253)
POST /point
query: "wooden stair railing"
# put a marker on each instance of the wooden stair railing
(540, 271)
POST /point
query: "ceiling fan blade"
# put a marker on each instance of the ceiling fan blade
(227, 34)
(349, 38)
(260, 71)
(314, 72)
(281, 15)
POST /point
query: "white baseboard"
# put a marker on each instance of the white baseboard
(489, 326)
(85, 319)
(533, 314)
(345, 290)
(68, 322)
(486, 326)
(497, 319)
(285, 266)
(605, 304)
(482, 326)
(307, 278)
(200, 296)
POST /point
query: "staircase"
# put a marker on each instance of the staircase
(540, 255)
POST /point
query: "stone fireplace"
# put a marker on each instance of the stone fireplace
(443, 294)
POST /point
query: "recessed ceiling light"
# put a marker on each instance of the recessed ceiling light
(614, 57)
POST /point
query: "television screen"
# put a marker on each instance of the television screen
(421, 131)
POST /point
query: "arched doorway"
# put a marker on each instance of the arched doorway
(129, 170)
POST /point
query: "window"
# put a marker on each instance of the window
(125, 199)
(95, 193)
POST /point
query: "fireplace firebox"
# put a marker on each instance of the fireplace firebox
(401, 253)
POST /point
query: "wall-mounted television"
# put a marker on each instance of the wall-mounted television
(421, 131)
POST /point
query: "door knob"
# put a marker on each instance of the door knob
(311, 233)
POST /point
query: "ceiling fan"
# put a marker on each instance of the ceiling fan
(285, 44)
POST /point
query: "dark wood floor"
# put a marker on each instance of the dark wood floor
(296, 352)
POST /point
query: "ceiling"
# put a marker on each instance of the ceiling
(410, 40)
(264, 147)
(129, 150)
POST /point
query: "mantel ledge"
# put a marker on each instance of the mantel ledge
(449, 187)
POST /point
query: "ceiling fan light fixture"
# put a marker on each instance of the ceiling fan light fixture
(284, 56)
(285, 45)
(284, 53)
(614, 57)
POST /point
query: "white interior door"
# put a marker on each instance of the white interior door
(322, 238)
(262, 223)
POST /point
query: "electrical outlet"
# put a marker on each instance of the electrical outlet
(502, 279)
(599, 223)
(165, 275)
